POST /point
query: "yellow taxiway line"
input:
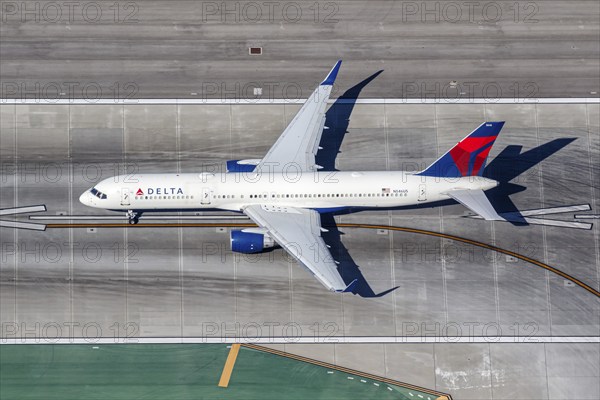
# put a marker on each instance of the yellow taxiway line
(228, 368)
(348, 371)
(347, 225)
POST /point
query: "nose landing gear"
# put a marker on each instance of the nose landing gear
(133, 217)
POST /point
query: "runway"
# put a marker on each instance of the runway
(427, 49)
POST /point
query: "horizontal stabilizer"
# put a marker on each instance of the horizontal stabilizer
(476, 201)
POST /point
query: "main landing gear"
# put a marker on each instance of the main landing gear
(134, 217)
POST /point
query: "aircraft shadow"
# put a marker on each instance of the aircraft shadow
(337, 119)
(347, 268)
(510, 164)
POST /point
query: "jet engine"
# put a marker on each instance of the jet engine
(242, 165)
(250, 241)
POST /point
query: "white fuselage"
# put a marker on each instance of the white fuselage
(234, 191)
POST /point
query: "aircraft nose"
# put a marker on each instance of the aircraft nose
(85, 198)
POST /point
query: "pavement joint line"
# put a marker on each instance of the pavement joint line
(345, 370)
(440, 216)
(350, 225)
(229, 364)
(540, 177)
(171, 101)
(291, 340)
(592, 190)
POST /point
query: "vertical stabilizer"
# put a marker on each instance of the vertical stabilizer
(469, 156)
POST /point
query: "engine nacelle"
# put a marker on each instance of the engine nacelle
(242, 165)
(250, 241)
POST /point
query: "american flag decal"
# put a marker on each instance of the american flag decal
(385, 190)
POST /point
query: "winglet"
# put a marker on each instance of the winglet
(350, 288)
(332, 75)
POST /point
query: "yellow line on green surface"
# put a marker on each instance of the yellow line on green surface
(348, 370)
(228, 368)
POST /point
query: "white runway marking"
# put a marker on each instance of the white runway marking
(306, 339)
(553, 210)
(558, 100)
(22, 225)
(22, 210)
(143, 217)
(526, 216)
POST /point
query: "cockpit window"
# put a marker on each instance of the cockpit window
(98, 193)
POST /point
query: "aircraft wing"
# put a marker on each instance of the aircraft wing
(298, 231)
(298, 144)
(476, 201)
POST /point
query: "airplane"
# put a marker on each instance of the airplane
(285, 192)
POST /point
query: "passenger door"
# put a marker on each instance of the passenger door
(206, 196)
(422, 192)
(125, 197)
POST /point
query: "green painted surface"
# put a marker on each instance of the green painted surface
(172, 372)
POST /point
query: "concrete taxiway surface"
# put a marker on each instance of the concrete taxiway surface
(181, 282)
(201, 49)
